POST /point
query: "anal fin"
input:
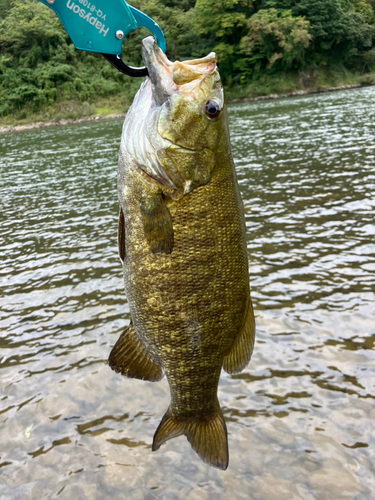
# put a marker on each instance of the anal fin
(207, 436)
(242, 349)
(130, 358)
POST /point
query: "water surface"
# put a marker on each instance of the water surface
(301, 415)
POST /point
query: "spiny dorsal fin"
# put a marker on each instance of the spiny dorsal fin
(130, 358)
(207, 436)
(240, 353)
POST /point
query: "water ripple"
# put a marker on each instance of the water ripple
(300, 417)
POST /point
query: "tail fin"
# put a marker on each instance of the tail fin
(207, 436)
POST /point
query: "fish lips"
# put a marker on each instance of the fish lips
(159, 70)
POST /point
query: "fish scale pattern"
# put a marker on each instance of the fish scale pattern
(188, 306)
(185, 258)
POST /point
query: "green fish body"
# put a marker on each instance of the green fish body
(183, 246)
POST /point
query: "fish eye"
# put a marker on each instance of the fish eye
(213, 109)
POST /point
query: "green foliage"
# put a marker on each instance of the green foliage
(4, 8)
(39, 66)
(220, 26)
(277, 4)
(364, 8)
(181, 4)
(368, 58)
(174, 21)
(256, 41)
(31, 29)
(339, 32)
(276, 38)
(222, 18)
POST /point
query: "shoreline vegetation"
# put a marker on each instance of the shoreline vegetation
(265, 49)
(31, 125)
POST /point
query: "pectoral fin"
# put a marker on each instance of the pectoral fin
(121, 235)
(240, 353)
(130, 358)
(157, 223)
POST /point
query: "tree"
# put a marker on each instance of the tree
(40, 66)
(174, 18)
(339, 32)
(276, 36)
(4, 8)
(276, 4)
(29, 29)
(220, 25)
(364, 8)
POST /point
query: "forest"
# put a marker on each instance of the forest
(262, 46)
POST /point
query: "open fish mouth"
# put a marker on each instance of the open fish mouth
(159, 70)
(152, 54)
(167, 77)
(160, 131)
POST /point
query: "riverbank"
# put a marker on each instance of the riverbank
(110, 116)
(296, 93)
(70, 121)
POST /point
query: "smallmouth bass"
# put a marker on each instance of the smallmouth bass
(183, 248)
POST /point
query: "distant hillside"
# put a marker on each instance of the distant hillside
(263, 46)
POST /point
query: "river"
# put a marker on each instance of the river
(300, 417)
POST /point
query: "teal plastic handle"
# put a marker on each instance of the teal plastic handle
(102, 25)
(146, 22)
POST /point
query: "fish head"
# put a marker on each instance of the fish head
(177, 120)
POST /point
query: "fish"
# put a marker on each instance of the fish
(182, 244)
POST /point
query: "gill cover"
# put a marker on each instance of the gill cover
(168, 131)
